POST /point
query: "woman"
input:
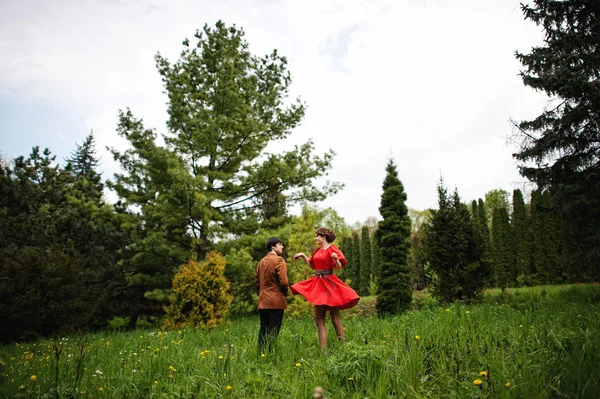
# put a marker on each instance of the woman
(325, 290)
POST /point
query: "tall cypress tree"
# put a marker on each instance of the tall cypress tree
(365, 261)
(502, 248)
(551, 272)
(375, 259)
(393, 234)
(353, 271)
(538, 241)
(521, 235)
(474, 210)
(483, 225)
(346, 248)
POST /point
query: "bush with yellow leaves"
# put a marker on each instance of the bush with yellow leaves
(200, 295)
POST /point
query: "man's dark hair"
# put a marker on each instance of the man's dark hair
(271, 242)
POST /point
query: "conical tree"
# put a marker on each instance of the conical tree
(365, 261)
(483, 225)
(474, 210)
(394, 293)
(83, 163)
(375, 259)
(521, 235)
(353, 272)
(502, 248)
(545, 238)
(346, 248)
(453, 246)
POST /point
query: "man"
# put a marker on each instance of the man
(271, 284)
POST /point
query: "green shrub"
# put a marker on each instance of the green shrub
(200, 295)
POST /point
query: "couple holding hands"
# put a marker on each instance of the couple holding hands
(324, 290)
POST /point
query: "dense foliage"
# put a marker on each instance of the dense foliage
(394, 291)
(560, 149)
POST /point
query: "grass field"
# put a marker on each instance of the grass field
(541, 342)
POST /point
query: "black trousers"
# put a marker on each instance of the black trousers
(270, 324)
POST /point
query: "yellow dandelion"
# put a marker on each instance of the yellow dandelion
(101, 389)
(447, 310)
(170, 375)
(155, 382)
(228, 387)
(520, 325)
(172, 368)
(478, 382)
(351, 379)
(220, 357)
(22, 387)
(507, 384)
(141, 336)
(483, 374)
(468, 312)
(33, 378)
(417, 337)
(298, 364)
(262, 355)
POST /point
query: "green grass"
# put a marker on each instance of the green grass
(543, 342)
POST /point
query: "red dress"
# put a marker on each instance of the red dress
(326, 289)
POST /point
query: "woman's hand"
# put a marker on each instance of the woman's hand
(305, 258)
(334, 256)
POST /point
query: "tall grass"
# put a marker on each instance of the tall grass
(528, 343)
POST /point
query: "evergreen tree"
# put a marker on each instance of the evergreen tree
(394, 293)
(521, 234)
(213, 176)
(59, 249)
(375, 259)
(346, 248)
(559, 148)
(200, 295)
(83, 163)
(454, 250)
(545, 238)
(354, 266)
(502, 249)
(483, 224)
(474, 210)
(365, 261)
(537, 242)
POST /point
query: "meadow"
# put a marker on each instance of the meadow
(536, 342)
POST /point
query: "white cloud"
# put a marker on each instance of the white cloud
(432, 82)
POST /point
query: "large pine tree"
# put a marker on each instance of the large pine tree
(559, 148)
(393, 236)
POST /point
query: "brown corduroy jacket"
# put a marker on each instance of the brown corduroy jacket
(271, 282)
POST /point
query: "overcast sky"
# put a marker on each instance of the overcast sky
(432, 83)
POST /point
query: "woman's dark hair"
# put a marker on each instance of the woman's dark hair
(327, 233)
(271, 242)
